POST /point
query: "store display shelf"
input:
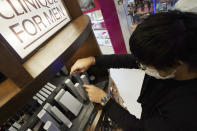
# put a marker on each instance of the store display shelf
(64, 43)
(44, 64)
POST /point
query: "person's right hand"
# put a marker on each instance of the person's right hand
(82, 65)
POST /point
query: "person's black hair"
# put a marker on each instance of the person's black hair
(163, 39)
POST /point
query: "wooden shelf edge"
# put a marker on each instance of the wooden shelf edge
(8, 90)
(95, 122)
(56, 46)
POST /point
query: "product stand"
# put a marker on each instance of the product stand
(73, 41)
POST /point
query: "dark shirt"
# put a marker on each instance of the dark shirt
(167, 105)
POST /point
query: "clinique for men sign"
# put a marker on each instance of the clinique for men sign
(26, 24)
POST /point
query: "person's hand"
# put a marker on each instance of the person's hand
(95, 94)
(82, 65)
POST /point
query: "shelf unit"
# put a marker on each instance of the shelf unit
(56, 52)
(63, 48)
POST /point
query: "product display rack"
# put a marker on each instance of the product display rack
(73, 41)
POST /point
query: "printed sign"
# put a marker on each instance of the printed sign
(26, 24)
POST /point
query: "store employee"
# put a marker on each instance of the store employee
(165, 47)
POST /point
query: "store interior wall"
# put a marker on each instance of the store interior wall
(110, 16)
(187, 5)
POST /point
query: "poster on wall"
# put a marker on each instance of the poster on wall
(86, 4)
(26, 24)
(165, 5)
(141, 9)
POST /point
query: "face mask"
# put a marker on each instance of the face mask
(155, 73)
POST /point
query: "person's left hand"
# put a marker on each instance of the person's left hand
(95, 94)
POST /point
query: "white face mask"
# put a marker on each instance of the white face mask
(155, 73)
